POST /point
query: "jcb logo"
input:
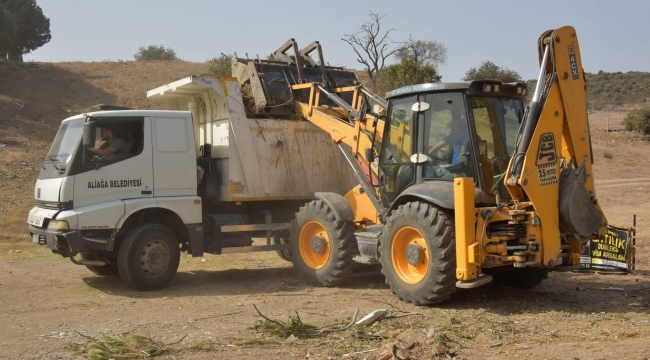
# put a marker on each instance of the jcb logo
(546, 153)
(574, 63)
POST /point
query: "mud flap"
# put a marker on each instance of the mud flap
(578, 214)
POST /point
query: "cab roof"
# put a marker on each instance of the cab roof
(476, 87)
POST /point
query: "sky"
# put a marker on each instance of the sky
(614, 35)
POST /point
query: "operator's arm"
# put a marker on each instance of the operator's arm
(437, 147)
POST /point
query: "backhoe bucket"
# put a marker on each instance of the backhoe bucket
(578, 214)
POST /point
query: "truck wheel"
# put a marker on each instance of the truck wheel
(282, 239)
(321, 246)
(417, 253)
(104, 270)
(520, 278)
(149, 256)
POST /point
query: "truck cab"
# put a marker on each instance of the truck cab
(83, 199)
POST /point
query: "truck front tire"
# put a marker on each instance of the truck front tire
(148, 257)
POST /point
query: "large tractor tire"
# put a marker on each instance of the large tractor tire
(417, 252)
(322, 247)
(148, 257)
(520, 278)
(103, 270)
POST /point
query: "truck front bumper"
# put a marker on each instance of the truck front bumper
(69, 241)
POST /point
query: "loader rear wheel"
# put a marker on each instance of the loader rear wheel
(148, 257)
(322, 247)
(417, 253)
(519, 278)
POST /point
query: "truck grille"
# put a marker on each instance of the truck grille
(54, 205)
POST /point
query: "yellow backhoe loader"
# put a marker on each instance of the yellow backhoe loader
(460, 184)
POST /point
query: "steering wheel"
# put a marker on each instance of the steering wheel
(440, 156)
(91, 156)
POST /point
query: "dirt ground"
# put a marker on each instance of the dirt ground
(46, 301)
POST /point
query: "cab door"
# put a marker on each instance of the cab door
(102, 183)
(396, 169)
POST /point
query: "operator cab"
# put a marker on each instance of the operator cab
(441, 131)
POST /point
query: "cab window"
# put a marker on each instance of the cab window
(447, 138)
(116, 139)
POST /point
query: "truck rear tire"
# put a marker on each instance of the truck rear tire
(519, 278)
(148, 257)
(417, 253)
(104, 270)
(322, 247)
(278, 240)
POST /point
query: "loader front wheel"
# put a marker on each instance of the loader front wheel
(322, 247)
(417, 253)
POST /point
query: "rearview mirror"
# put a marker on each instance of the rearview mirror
(89, 133)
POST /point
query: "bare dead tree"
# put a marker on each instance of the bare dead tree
(371, 45)
(432, 53)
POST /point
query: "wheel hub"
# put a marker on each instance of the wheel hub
(414, 253)
(155, 258)
(317, 244)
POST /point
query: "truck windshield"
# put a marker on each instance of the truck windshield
(65, 142)
(497, 125)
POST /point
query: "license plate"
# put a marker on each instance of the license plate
(35, 238)
(36, 220)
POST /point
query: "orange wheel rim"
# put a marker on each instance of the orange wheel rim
(313, 259)
(403, 238)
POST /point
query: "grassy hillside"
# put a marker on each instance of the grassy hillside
(606, 90)
(617, 89)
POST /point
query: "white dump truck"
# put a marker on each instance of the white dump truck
(205, 178)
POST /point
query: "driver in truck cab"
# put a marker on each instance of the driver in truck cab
(113, 145)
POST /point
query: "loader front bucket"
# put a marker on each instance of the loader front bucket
(270, 81)
(578, 214)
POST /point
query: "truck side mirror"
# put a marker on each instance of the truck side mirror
(89, 133)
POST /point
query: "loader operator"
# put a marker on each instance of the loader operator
(112, 147)
(457, 138)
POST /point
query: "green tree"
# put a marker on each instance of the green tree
(638, 120)
(432, 53)
(7, 31)
(32, 27)
(407, 72)
(221, 65)
(489, 70)
(155, 52)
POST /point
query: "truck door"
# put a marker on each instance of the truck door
(174, 157)
(126, 173)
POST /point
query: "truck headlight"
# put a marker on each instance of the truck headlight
(58, 225)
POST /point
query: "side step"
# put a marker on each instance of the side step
(482, 280)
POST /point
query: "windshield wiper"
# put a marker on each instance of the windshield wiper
(53, 160)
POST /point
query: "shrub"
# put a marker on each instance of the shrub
(638, 120)
(221, 66)
(155, 52)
